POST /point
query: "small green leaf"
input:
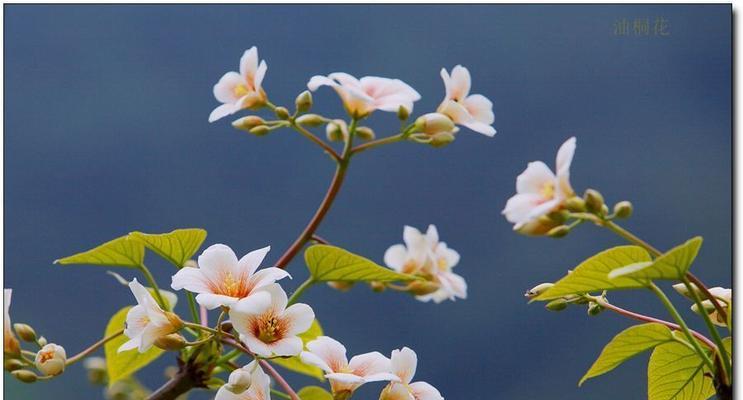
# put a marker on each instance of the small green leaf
(119, 252)
(314, 393)
(593, 273)
(627, 344)
(727, 343)
(675, 372)
(329, 263)
(672, 265)
(295, 363)
(177, 246)
(122, 365)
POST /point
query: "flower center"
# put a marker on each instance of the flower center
(548, 190)
(410, 267)
(45, 356)
(269, 328)
(234, 286)
(240, 90)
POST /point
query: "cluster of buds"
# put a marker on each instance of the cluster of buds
(562, 303)
(722, 295)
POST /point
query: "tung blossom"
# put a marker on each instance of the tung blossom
(346, 376)
(221, 279)
(146, 322)
(246, 383)
(722, 294)
(404, 363)
(362, 96)
(424, 255)
(237, 91)
(11, 345)
(51, 359)
(267, 326)
(539, 191)
(474, 111)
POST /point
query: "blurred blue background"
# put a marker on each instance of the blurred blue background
(106, 132)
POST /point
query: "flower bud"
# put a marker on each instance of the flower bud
(25, 332)
(239, 381)
(623, 209)
(248, 123)
(441, 139)
(604, 209)
(50, 360)
(594, 309)
(433, 123)
(303, 103)
(341, 286)
(260, 130)
(365, 133)
(422, 288)
(226, 326)
(557, 305)
(281, 112)
(537, 290)
(575, 204)
(25, 376)
(558, 216)
(11, 346)
(96, 367)
(171, 342)
(559, 231)
(684, 291)
(214, 383)
(175, 321)
(13, 364)
(336, 130)
(41, 341)
(403, 113)
(377, 287)
(594, 200)
(311, 120)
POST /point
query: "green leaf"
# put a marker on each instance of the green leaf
(671, 265)
(119, 252)
(329, 263)
(177, 246)
(727, 343)
(295, 363)
(314, 393)
(627, 344)
(124, 364)
(592, 274)
(675, 372)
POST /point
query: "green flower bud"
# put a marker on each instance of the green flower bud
(13, 364)
(171, 342)
(623, 209)
(248, 123)
(537, 290)
(281, 112)
(604, 209)
(261, 130)
(365, 133)
(377, 287)
(559, 231)
(422, 288)
(303, 102)
(557, 305)
(558, 216)
(42, 341)
(311, 120)
(441, 139)
(403, 113)
(341, 286)
(594, 309)
(25, 376)
(575, 204)
(594, 200)
(336, 130)
(25, 332)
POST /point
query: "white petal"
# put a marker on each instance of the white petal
(224, 394)
(331, 351)
(534, 178)
(212, 301)
(131, 344)
(268, 276)
(396, 256)
(564, 159)
(519, 207)
(140, 293)
(424, 391)
(250, 262)
(456, 284)
(346, 80)
(249, 63)
(413, 238)
(278, 296)
(256, 346)
(224, 89)
(191, 279)
(312, 359)
(345, 378)
(456, 112)
(404, 363)
(290, 346)
(543, 209)
(223, 111)
(7, 294)
(217, 262)
(300, 317)
(480, 108)
(480, 127)
(432, 236)
(369, 364)
(259, 75)
(397, 391)
(447, 83)
(460, 83)
(257, 303)
(319, 80)
(450, 255)
(136, 321)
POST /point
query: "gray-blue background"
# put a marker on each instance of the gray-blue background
(106, 132)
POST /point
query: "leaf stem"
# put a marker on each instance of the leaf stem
(153, 284)
(95, 346)
(300, 290)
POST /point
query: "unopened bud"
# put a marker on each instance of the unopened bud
(558, 216)
(683, 290)
(559, 231)
(604, 209)
(303, 102)
(377, 287)
(311, 120)
(365, 133)
(13, 364)
(422, 288)
(25, 376)
(433, 123)
(25, 332)
(260, 130)
(51, 359)
(441, 139)
(594, 200)
(239, 381)
(403, 113)
(341, 286)
(557, 305)
(175, 321)
(41, 341)
(248, 123)
(537, 290)
(623, 209)
(171, 342)
(575, 204)
(336, 130)
(594, 309)
(281, 112)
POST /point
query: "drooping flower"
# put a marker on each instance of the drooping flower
(50, 360)
(221, 279)
(246, 383)
(539, 192)
(267, 326)
(404, 363)
(237, 91)
(721, 294)
(146, 322)
(474, 111)
(424, 255)
(11, 345)
(346, 376)
(362, 96)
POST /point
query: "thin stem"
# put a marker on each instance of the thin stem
(229, 356)
(95, 346)
(279, 379)
(684, 328)
(202, 341)
(302, 130)
(280, 394)
(153, 284)
(201, 327)
(377, 143)
(300, 290)
(319, 239)
(192, 306)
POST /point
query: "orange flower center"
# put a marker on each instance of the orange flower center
(269, 328)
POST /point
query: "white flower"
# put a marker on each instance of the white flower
(246, 383)
(267, 326)
(237, 91)
(539, 191)
(146, 322)
(474, 111)
(10, 341)
(221, 279)
(50, 360)
(362, 96)
(404, 363)
(722, 294)
(330, 355)
(424, 255)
